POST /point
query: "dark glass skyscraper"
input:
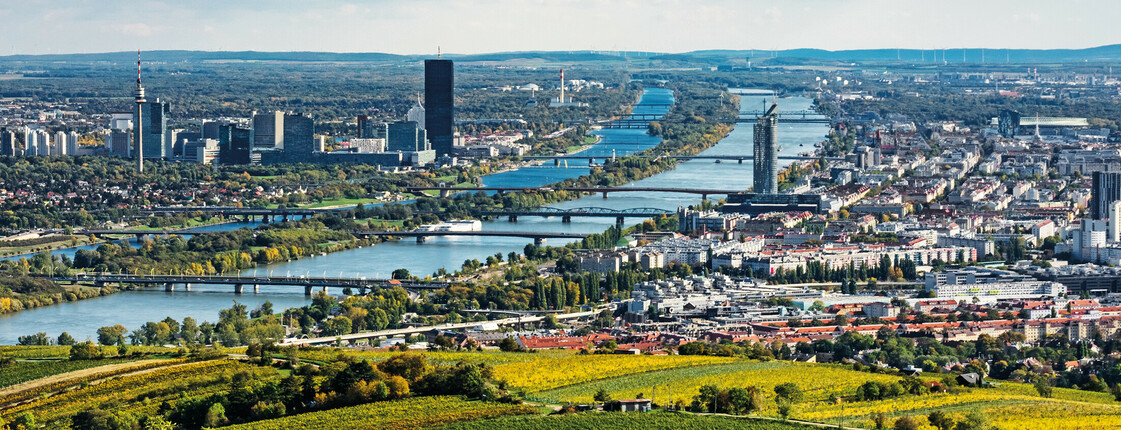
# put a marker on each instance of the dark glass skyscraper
(299, 137)
(1105, 189)
(766, 151)
(439, 104)
(155, 114)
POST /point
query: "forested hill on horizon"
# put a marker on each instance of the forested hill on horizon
(715, 56)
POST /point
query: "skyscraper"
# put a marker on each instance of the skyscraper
(406, 136)
(766, 148)
(1105, 189)
(365, 127)
(234, 144)
(299, 137)
(268, 130)
(153, 125)
(439, 104)
(416, 114)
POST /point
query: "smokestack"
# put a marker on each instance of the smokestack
(562, 86)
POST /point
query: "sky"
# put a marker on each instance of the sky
(478, 26)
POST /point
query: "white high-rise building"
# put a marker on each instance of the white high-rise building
(72, 143)
(416, 114)
(1115, 221)
(60, 146)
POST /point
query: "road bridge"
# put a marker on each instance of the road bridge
(421, 236)
(353, 337)
(446, 191)
(740, 158)
(267, 213)
(566, 214)
(239, 282)
(138, 232)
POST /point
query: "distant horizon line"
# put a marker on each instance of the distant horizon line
(594, 51)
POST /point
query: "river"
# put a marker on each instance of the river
(133, 308)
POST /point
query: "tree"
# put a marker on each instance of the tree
(339, 325)
(941, 420)
(906, 422)
(974, 420)
(85, 351)
(35, 339)
(215, 415)
(789, 391)
(509, 345)
(1043, 387)
(601, 396)
(111, 335)
(401, 274)
(65, 339)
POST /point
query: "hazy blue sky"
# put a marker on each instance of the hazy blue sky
(463, 26)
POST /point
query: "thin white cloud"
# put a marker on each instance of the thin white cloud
(418, 26)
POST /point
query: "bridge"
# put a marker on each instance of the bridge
(265, 213)
(739, 158)
(139, 232)
(353, 337)
(239, 282)
(421, 236)
(594, 212)
(447, 191)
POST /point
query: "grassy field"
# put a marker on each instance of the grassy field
(341, 202)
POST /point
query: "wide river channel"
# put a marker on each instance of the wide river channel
(133, 308)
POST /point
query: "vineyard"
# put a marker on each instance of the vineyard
(681, 384)
(31, 370)
(559, 371)
(396, 391)
(620, 421)
(408, 414)
(170, 380)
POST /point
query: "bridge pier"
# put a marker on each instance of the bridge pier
(445, 193)
(704, 197)
(186, 287)
(265, 219)
(538, 241)
(307, 290)
(605, 194)
(566, 219)
(619, 222)
(556, 162)
(169, 287)
(420, 239)
(362, 290)
(324, 289)
(256, 289)
(238, 288)
(285, 219)
(513, 218)
(741, 161)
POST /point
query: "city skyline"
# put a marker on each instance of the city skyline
(420, 27)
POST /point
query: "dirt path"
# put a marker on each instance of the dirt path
(77, 374)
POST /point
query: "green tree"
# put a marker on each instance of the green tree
(941, 420)
(906, 422)
(65, 339)
(215, 416)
